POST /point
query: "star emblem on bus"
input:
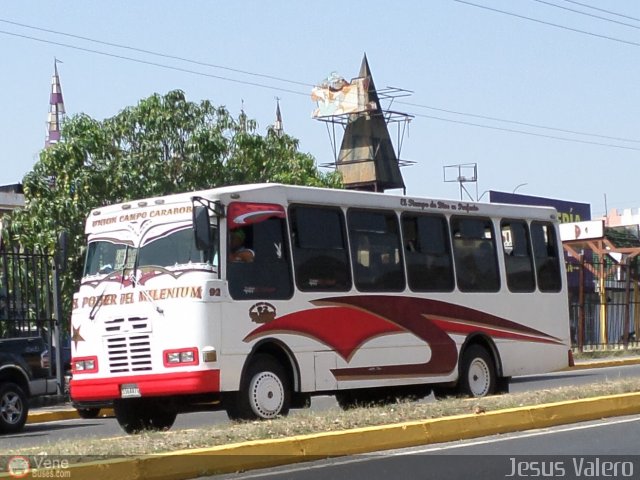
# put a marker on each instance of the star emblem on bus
(76, 337)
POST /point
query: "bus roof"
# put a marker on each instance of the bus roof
(285, 194)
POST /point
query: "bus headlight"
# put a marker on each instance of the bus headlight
(173, 357)
(180, 357)
(84, 365)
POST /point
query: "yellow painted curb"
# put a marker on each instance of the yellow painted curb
(57, 415)
(51, 416)
(605, 363)
(268, 453)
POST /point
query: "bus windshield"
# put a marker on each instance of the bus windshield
(106, 256)
(168, 250)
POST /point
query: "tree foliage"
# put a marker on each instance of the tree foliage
(162, 145)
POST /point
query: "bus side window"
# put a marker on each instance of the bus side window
(474, 252)
(547, 259)
(517, 256)
(376, 251)
(320, 255)
(428, 253)
(268, 276)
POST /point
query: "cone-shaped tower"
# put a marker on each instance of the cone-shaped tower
(367, 159)
(277, 126)
(56, 109)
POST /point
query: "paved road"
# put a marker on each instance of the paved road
(571, 451)
(54, 432)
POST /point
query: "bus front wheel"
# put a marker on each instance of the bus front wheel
(88, 413)
(137, 415)
(265, 391)
(477, 373)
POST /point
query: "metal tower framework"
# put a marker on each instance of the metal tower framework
(366, 157)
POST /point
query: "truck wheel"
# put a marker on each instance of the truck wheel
(264, 392)
(13, 408)
(477, 373)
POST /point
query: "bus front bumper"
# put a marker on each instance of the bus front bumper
(152, 385)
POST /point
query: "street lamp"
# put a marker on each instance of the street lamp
(518, 186)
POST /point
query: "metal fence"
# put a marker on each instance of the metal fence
(26, 294)
(27, 302)
(604, 304)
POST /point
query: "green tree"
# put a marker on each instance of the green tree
(162, 145)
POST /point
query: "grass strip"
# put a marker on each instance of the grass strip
(303, 422)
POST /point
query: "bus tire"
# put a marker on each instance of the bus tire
(137, 415)
(13, 408)
(265, 391)
(477, 373)
(158, 417)
(129, 415)
(88, 413)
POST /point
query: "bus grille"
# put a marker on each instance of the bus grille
(129, 353)
(117, 325)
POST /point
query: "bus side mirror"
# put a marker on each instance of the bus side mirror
(62, 251)
(202, 228)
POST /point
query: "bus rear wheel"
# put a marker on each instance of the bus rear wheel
(477, 373)
(265, 392)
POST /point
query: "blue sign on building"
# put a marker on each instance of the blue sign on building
(567, 211)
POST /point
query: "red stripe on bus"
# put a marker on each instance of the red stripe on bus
(343, 329)
(462, 327)
(160, 384)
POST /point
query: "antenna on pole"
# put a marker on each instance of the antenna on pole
(462, 173)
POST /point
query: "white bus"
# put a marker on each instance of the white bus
(254, 298)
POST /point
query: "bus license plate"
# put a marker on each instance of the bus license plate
(129, 390)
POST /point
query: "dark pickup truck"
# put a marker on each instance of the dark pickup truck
(24, 374)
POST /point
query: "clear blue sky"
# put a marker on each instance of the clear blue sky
(453, 56)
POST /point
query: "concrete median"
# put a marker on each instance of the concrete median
(244, 456)
(269, 453)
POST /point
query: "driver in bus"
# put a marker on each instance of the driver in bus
(238, 252)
